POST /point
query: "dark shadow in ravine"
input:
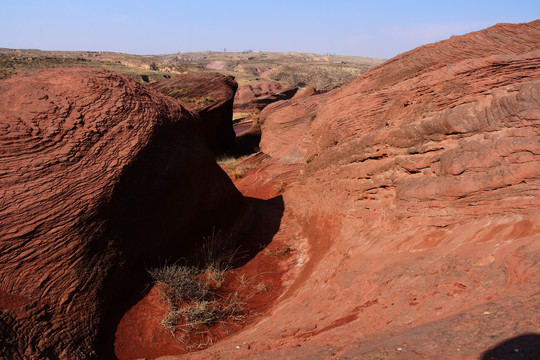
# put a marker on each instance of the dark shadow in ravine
(266, 222)
(246, 142)
(166, 202)
(522, 347)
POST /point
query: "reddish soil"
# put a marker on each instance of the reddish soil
(139, 334)
(263, 259)
(216, 65)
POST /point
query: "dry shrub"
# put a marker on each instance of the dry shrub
(233, 166)
(193, 294)
(180, 282)
(261, 288)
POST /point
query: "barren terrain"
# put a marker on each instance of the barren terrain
(394, 216)
(299, 69)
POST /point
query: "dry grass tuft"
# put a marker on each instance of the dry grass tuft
(233, 166)
(195, 296)
(280, 186)
(261, 288)
(195, 305)
(180, 282)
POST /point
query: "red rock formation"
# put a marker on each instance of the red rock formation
(257, 96)
(417, 204)
(283, 125)
(299, 119)
(307, 92)
(211, 95)
(100, 179)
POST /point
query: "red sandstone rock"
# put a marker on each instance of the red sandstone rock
(299, 119)
(211, 95)
(283, 125)
(307, 92)
(414, 223)
(257, 96)
(100, 179)
(253, 98)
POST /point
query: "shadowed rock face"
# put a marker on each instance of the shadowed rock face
(100, 179)
(211, 95)
(418, 201)
(257, 96)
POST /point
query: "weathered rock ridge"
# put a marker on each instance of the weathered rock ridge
(100, 178)
(416, 198)
(284, 124)
(211, 95)
(257, 96)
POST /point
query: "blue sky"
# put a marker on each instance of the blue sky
(375, 28)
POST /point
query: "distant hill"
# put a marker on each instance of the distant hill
(323, 72)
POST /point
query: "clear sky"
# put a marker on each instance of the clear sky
(376, 28)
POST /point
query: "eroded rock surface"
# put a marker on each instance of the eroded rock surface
(100, 178)
(307, 92)
(211, 95)
(283, 125)
(417, 201)
(257, 96)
